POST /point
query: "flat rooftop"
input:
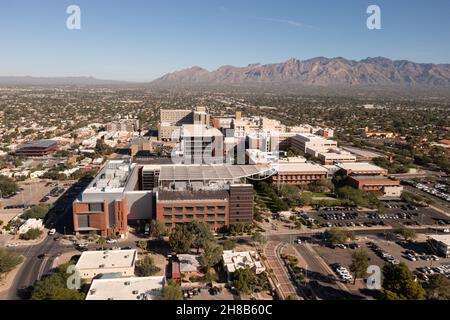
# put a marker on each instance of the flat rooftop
(106, 259)
(359, 166)
(373, 178)
(300, 167)
(136, 288)
(210, 172)
(195, 130)
(445, 238)
(112, 178)
(38, 144)
(192, 195)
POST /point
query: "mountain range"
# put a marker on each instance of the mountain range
(318, 72)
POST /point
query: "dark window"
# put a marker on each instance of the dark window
(95, 207)
(83, 221)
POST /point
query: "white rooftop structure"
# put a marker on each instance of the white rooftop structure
(196, 130)
(112, 178)
(136, 288)
(301, 167)
(233, 261)
(360, 167)
(210, 172)
(108, 259)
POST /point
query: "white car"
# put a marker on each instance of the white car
(82, 245)
(446, 230)
(12, 245)
(51, 232)
(110, 241)
(298, 241)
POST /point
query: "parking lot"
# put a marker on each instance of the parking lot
(393, 213)
(416, 255)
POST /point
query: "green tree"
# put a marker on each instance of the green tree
(55, 287)
(36, 212)
(31, 234)
(406, 233)
(102, 149)
(147, 267)
(229, 244)
(181, 239)
(399, 283)
(338, 236)
(157, 229)
(142, 244)
(212, 255)
(101, 241)
(201, 234)
(437, 287)
(7, 186)
(259, 238)
(245, 280)
(210, 276)
(8, 260)
(359, 265)
(172, 291)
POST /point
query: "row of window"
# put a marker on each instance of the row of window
(191, 216)
(197, 208)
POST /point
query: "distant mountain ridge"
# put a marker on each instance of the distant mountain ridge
(37, 81)
(318, 71)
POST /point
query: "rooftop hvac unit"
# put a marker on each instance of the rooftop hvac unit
(127, 283)
(135, 292)
(101, 266)
(93, 291)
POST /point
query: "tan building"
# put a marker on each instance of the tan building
(93, 263)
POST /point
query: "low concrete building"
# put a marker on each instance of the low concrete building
(93, 263)
(136, 288)
(233, 261)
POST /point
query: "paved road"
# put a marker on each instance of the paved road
(442, 206)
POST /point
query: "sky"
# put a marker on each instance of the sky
(140, 40)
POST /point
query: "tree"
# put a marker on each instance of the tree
(437, 287)
(229, 244)
(200, 232)
(245, 280)
(360, 263)
(102, 149)
(54, 287)
(181, 239)
(338, 236)
(8, 260)
(406, 233)
(399, 284)
(147, 267)
(142, 244)
(101, 241)
(36, 212)
(7, 186)
(291, 193)
(259, 238)
(157, 229)
(212, 255)
(210, 276)
(172, 291)
(31, 234)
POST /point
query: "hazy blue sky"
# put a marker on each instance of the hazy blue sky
(143, 39)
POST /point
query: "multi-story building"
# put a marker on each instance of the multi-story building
(126, 125)
(37, 148)
(112, 200)
(178, 207)
(361, 168)
(311, 141)
(299, 173)
(171, 121)
(201, 144)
